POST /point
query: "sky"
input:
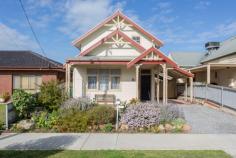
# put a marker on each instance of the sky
(183, 25)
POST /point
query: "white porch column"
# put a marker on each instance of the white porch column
(68, 78)
(208, 74)
(158, 85)
(137, 81)
(152, 84)
(164, 83)
(186, 90)
(191, 88)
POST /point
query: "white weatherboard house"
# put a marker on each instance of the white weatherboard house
(119, 58)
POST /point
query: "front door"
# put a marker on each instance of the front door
(145, 85)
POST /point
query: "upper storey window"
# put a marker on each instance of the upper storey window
(136, 39)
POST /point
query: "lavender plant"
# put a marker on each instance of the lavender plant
(141, 115)
(169, 113)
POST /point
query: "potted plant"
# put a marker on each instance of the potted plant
(4, 97)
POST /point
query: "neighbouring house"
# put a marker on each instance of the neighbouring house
(217, 65)
(119, 58)
(27, 70)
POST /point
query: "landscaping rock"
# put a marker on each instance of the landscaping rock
(186, 128)
(168, 128)
(25, 124)
(124, 127)
(161, 128)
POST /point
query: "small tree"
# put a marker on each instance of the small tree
(51, 96)
(23, 102)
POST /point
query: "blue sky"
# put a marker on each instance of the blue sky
(183, 25)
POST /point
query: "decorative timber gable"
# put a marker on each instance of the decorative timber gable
(118, 21)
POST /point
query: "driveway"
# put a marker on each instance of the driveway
(208, 120)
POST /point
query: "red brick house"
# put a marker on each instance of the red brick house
(27, 70)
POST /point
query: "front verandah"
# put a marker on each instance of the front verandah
(146, 80)
(158, 82)
(216, 74)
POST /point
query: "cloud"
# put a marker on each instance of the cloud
(80, 15)
(11, 39)
(202, 5)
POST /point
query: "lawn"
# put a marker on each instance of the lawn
(115, 154)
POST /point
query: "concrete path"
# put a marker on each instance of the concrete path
(207, 120)
(96, 141)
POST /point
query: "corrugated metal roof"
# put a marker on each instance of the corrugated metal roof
(226, 48)
(187, 59)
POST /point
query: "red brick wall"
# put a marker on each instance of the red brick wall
(6, 78)
(5, 83)
(49, 76)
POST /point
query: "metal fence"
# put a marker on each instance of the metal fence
(8, 114)
(224, 96)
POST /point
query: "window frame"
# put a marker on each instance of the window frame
(28, 76)
(134, 38)
(109, 77)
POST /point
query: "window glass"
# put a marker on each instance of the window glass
(16, 82)
(103, 79)
(92, 78)
(136, 39)
(92, 82)
(29, 83)
(115, 82)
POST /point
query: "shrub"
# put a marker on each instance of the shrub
(178, 124)
(72, 121)
(23, 102)
(51, 95)
(141, 115)
(44, 119)
(133, 101)
(101, 114)
(108, 127)
(78, 103)
(169, 113)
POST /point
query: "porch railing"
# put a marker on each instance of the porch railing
(223, 96)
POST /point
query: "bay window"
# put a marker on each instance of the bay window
(103, 79)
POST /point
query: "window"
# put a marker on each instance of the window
(92, 79)
(115, 79)
(136, 39)
(104, 78)
(29, 83)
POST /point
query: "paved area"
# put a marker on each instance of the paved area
(96, 141)
(208, 120)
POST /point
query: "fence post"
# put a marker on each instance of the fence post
(6, 121)
(206, 93)
(222, 99)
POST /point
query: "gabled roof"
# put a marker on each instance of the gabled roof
(226, 48)
(150, 50)
(26, 59)
(187, 59)
(109, 36)
(118, 13)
